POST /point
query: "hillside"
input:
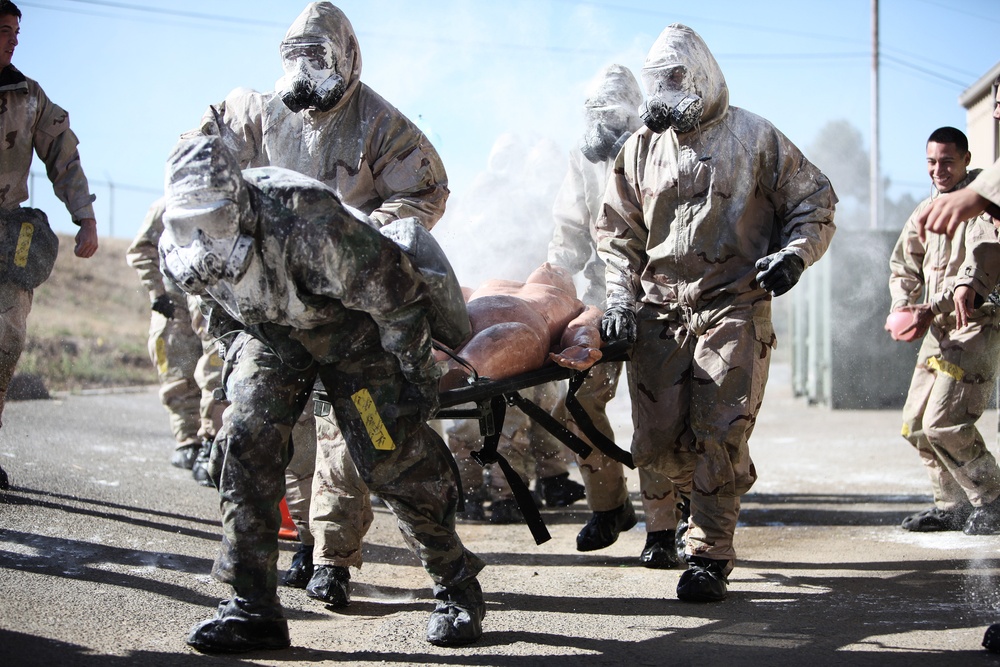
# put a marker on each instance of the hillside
(89, 322)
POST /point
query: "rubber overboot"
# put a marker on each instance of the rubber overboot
(4, 481)
(331, 584)
(183, 457)
(660, 552)
(473, 511)
(560, 490)
(199, 469)
(240, 626)
(505, 512)
(935, 519)
(301, 571)
(704, 581)
(991, 640)
(457, 618)
(984, 520)
(603, 528)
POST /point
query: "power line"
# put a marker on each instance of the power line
(955, 82)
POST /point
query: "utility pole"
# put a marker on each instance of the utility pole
(875, 184)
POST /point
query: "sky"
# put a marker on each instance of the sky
(134, 74)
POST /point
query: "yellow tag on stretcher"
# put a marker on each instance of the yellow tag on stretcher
(23, 244)
(365, 404)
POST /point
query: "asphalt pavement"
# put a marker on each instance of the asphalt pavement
(105, 554)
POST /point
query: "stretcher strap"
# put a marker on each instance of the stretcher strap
(489, 454)
(586, 424)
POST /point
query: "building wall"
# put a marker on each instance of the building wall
(984, 137)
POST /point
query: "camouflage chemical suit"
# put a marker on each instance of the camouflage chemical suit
(184, 355)
(691, 213)
(310, 289)
(379, 162)
(30, 122)
(611, 111)
(955, 372)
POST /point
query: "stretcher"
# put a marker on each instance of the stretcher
(486, 400)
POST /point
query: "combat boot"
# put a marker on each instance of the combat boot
(660, 552)
(199, 469)
(704, 580)
(603, 528)
(184, 456)
(331, 584)
(984, 520)
(991, 640)
(301, 571)
(505, 512)
(239, 626)
(560, 490)
(935, 519)
(457, 618)
(4, 481)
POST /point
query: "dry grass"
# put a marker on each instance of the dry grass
(89, 322)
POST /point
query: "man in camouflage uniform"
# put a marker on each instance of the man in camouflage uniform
(611, 113)
(322, 121)
(300, 287)
(710, 211)
(956, 366)
(184, 355)
(32, 123)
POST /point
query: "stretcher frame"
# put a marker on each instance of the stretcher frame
(486, 400)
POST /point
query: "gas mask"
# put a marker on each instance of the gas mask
(670, 103)
(196, 256)
(605, 136)
(311, 79)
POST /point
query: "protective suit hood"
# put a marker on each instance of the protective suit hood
(615, 87)
(322, 21)
(680, 45)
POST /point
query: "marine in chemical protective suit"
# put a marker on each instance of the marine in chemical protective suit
(956, 366)
(323, 121)
(611, 114)
(183, 354)
(709, 212)
(301, 286)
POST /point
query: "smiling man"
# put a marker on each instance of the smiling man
(957, 363)
(31, 123)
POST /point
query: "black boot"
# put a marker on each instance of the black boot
(991, 640)
(934, 519)
(603, 528)
(4, 481)
(199, 469)
(183, 457)
(505, 512)
(239, 626)
(560, 490)
(704, 581)
(984, 520)
(301, 570)
(457, 618)
(660, 552)
(331, 584)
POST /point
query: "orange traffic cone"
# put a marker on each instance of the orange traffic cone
(288, 531)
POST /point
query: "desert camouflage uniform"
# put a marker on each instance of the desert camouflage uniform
(573, 245)
(31, 123)
(325, 296)
(956, 368)
(380, 163)
(685, 219)
(981, 270)
(184, 355)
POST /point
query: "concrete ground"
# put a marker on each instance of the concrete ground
(105, 553)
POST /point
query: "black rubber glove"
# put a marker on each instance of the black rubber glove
(618, 323)
(779, 271)
(164, 306)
